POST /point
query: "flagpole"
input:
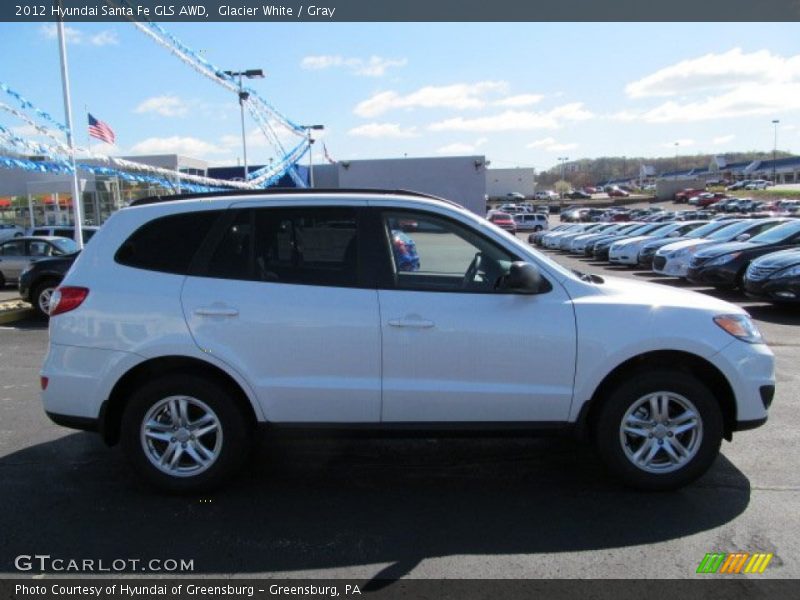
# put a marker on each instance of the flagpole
(88, 136)
(76, 192)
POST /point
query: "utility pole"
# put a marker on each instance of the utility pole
(243, 96)
(309, 129)
(775, 152)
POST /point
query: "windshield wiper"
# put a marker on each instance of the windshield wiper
(589, 277)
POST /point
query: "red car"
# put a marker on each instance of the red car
(709, 199)
(617, 193)
(684, 195)
(502, 220)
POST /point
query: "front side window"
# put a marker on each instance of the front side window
(38, 248)
(437, 254)
(309, 246)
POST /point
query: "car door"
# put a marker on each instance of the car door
(281, 298)
(455, 349)
(13, 258)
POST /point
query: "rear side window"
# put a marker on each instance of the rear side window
(167, 244)
(309, 246)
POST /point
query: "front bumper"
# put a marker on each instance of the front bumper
(624, 256)
(775, 290)
(722, 275)
(750, 370)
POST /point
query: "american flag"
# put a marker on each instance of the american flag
(101, 131)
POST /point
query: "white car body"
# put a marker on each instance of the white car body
(10, 231)
(311, 354)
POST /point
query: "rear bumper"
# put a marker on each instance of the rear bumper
(73, 422)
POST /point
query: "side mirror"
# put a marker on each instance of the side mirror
(743, 238)
(523, 278)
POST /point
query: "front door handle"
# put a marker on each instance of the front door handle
(216, 311)
(412, 323)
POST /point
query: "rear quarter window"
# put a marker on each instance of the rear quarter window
(167, 244)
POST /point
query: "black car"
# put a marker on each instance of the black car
(724, 265)
(600, 248)
(38, 282)
(577, 195)
(775, 277)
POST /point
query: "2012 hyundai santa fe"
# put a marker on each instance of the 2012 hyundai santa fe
(186, 324)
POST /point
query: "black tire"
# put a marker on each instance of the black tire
(236, 434)
(38, 290)
(610, 442)
(2, 281)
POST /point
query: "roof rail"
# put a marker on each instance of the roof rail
(285, 191)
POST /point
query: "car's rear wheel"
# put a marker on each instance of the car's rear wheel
(184, 433)
(41, 297)
(659, 430)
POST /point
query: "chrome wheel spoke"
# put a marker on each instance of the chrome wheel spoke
(183, 411)
(637, 431)
(673, 456)
(191, 450)
(684, 428)
(166, 457)
(153, 425)
(161, 436)
(679, 448)
(206, 430)
(174, 412)
(202, 422)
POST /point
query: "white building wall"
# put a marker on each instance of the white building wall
(500, 182)
(461, 179)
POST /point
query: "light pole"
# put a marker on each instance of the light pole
(775, 152)
(677, 144)
(309, 129)
(243, 96)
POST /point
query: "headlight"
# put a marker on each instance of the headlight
(722, 260)
(741, 327)
(788, 272)
(683, 251)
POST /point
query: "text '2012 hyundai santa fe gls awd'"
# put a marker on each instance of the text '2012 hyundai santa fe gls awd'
(187, 323)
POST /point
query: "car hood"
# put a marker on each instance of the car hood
(726, 248)
(632, 240)
(687, 243)
(779, 260)
(661, 242)
(628, 291)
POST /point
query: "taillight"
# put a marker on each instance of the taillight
(43, 381)
(67, 298)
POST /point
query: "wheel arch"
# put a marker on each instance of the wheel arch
(697, 366)
(111, 417)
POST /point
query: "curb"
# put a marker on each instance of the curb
(16, 310)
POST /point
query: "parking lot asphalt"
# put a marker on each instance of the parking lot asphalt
(422, 508)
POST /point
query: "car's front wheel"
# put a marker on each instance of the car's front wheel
(659, 430)
(184, 433)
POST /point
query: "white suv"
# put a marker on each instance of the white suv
(186, 324)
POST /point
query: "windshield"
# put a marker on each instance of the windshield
(646, 228)
(777, 234)
(730, 231)
(703, 230)
(65, 245)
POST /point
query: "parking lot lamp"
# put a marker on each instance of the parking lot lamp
(775, 151)
(243, 96)
(309, 129)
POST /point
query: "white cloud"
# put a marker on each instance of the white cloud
(716, 86)
(383, 130)
(512, 120)
(548, 141)
(76, 36)
(374, 66)
(176, 145)
(166, 106)
(549, 144)
(455, 96)
(723, 139)
(717, 71)
(520, 100)
(462, 148)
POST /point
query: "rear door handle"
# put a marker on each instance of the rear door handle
(412, 323)
(216, 311)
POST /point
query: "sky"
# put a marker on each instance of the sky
(522, 94)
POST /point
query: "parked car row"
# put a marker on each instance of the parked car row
(760, 256)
